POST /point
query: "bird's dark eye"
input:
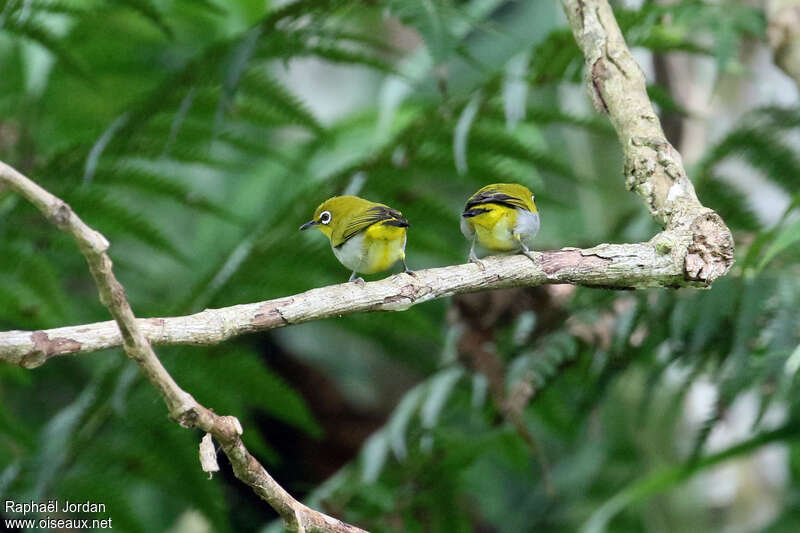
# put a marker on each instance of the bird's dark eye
(533, 198)
(325, 217)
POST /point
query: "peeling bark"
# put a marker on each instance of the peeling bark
(653, 168)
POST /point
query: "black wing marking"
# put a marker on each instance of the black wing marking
(375, 214)
(491, 196)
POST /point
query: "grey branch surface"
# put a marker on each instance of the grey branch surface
(183, 408)
(658, 263)
(783, 32)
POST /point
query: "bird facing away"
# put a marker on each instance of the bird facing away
(365, 236)
(501, 217)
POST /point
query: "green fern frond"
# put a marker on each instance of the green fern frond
(499, 142)
(305, 8)
(732, 205)
(779, 117)
(259, 84)
(764, 150)
(336, 54)
(63, 7)
(23, 304)
(539, 366)
(661, 39)
(31, 29)
(340, 36)
(556, 58)
(255, 142)
(150, 184)
(539, 115)
(12, 310)
(37, 272)
(208, 5)
(256, 386)
(263, 113)
(664, 100)
(111, 217)
(486, 140)
(675, 26)
(149, 10)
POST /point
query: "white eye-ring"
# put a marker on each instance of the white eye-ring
(325, 217)
(533, 197)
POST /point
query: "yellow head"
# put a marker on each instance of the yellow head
(334, 213)
(342, 217)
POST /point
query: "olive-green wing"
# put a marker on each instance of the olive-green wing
(493, 196)
(378, 213)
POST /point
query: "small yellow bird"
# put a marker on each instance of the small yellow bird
(365, 236)
(501, 217)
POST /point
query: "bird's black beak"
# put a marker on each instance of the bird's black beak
(309, 224)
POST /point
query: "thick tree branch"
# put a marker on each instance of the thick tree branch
(183, 408)
(658, 263)
(653, 168)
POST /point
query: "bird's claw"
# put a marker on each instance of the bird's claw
(478, 262)
(530, 255)
(358, 281)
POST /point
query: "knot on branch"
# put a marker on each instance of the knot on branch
(710, 254)
(60, 214)
(187, 418)
(228, 427)
(270, 315)
(571, 259)
(596, 79)
(405, 297)
(44, 347)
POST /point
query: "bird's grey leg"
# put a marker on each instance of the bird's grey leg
(358, 280)
(525, 249)
(408, 270)
(474, 258)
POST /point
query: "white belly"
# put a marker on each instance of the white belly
(379, 255)
(527, 226)
(351, 253)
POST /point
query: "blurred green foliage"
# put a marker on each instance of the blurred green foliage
(178, 130)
